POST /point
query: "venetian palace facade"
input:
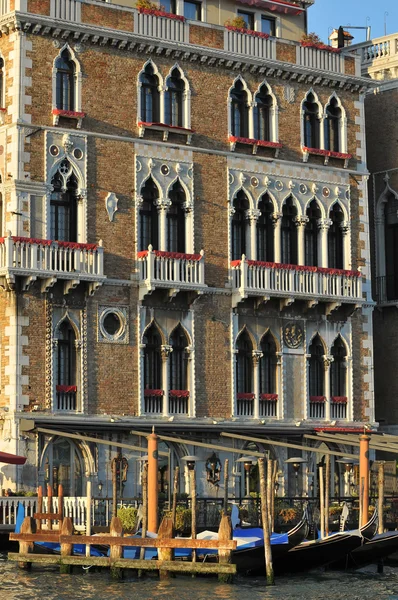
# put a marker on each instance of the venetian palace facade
(185, 236)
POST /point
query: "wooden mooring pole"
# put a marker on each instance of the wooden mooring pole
(327, 494)
(28, 526)
(192, 477)
(224, 556)
(165, 554)
(265, 519)
(66, 548)
(381, 496)
(226, 479)
(175, 492)
(322, 502)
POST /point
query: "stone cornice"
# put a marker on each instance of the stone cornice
(84, 33)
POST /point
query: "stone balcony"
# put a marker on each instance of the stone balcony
(28, 260)
(172, 271)
(290, 283)
(379, 57)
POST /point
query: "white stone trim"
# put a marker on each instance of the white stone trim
(160, 90)
(274, 111)
(342, 122)
(320, 113)
(78, 78)
(122, 335)
(186, 100)
(249, 105)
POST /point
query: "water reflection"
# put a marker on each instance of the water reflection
(48, 584)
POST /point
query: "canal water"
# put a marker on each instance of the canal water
(47, 584)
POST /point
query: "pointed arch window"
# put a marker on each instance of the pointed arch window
(391, 246)
(316, 371)
(178, 360)
(148, 216)
(65, 88)
(265, 230)
(262, 114)
(311, 122)
(174, 99)
(268, 365)
(176, 219)
(2, 84)
(66, 369)
(63, 464)
(239, 225)
(63, 206)
(152, 359)
(338, 369)
(333, 126)
(239, 111)
(289, 233)
(244, 364)
(150, 95)
(335, 238)
(311, 234)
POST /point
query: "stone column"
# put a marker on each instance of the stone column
(165, 350)
(277, 221)
(300, 223)
(327, 361)
(257, 355)
(162, 205)
(251, 232)
(345, 229)
(323, 227)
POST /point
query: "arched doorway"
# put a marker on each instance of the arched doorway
(63, 463)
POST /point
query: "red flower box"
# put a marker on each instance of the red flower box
(259, 34)
(66, 389)
(161, 13)
(339, 399)
(265, 143)
(176, 255)
(153, 392)
(25, 240)
(166, 125)
(68, 113)
(3, 110)
(245, 396)
(39, 242)
(273, 265)
(76, 246)
(317, 399)
(269, 397)
(321, 47)
(179, 393)
(329, 153)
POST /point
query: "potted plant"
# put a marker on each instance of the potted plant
(239, 24)
(312, 40)
(151, 8)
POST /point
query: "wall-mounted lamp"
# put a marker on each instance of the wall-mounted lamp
(213, 469)
(190, 461)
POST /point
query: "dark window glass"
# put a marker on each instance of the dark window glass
(148, 217)
(238, 233)
(65, 81)
(311, 234)
(150, 96)
(178, 360)
(338, 369)
(391, 246)
(311, 122)
(316, 370)
(289, 233)
(268, 25)
(332, 126)
(66, 374)
(174, 99)
(176, 219)
(268, 365)
(112, 323)
(244, 364)
(193, 10)
(239, 111)
(262, 115)
(335, 238)
(248, 18)
(265, 230)
(2, 84)
(169, 6)
(63, 208)
(152, 359)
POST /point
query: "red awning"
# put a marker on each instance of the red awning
(12, 459)
(279, 6)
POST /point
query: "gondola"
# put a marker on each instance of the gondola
(379, 547)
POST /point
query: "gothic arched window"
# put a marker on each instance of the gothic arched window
(63, 206)
(289, 233)
(333, 126)
(175, 219)
(311, 234)
(150, 95)
(338, 369)
(244, 364)
(65, 96)
(311, 122)
(2, 84)
(239, 111)
(148, 217)
(174, 99)
(152, 377)
(335, 238)
(265, 230)
(63, 464)
(391, 246)
(268, 364)
(316, 370)
(178, 360)
(238, 226)
(262, 114)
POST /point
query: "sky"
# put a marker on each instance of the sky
(325, 15)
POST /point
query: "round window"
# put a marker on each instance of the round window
(112, 323)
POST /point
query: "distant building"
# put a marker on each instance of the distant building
(185, 238)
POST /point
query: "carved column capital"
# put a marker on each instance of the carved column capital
(162, 204)
(324, 224)
(252, 214)
(345, 227)
(256, 354)
(300, 220)
(327, 361)
(165, 350)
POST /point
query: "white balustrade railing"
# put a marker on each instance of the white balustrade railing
(338, 408)
(66, 398)
(325, 60)
(164, 28)
(317, 409)
(246, 405)
(153, 403)
(45, 257)
(257, 278)
(171, 269)
(249, 45)
(67, 10)
(376, 50)
(268, 408)
(8, 509)
(178, 405)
